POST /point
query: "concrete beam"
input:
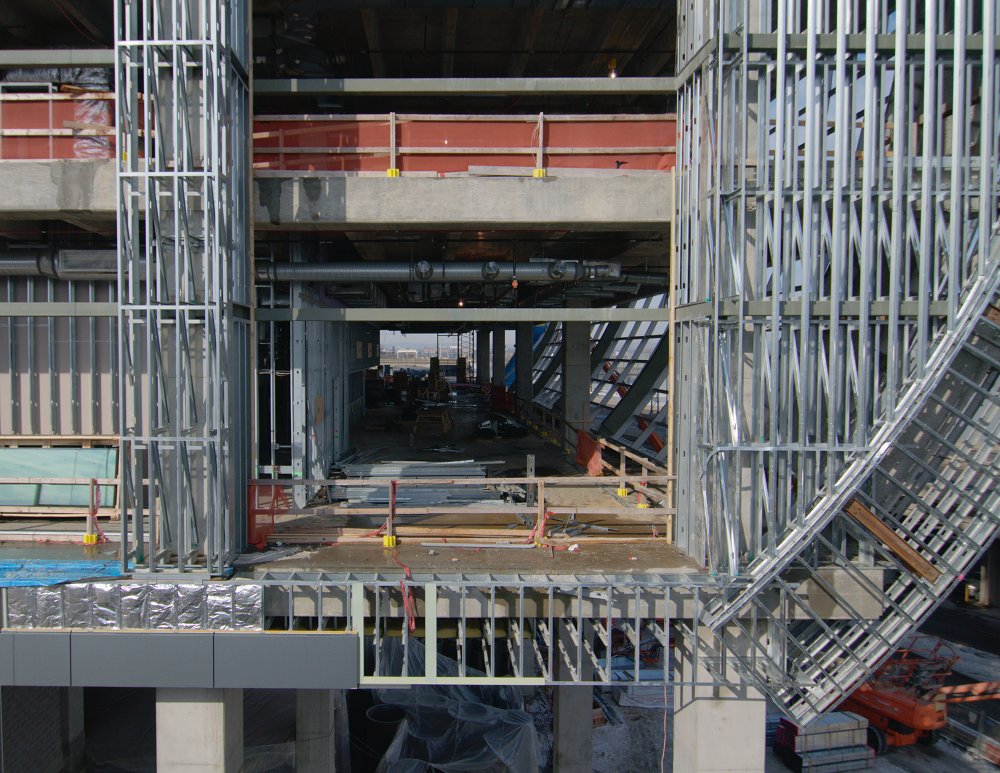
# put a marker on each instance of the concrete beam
(84, 190)
(288, 201)
(48, 190)
(58, 57)
(464, 86)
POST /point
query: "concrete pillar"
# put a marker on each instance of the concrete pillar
(576, 375)
(523, 360)
(716, 729)
(499, 355)
(320, 720)
(989, 578)
(199, 729)
(483, 356)
(572, 715)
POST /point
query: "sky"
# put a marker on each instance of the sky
(392, 338)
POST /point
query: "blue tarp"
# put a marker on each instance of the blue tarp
(36, 572)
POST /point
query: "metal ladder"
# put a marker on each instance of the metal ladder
(819, 614)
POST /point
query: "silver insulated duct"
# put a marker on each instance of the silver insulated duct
(426, 271)
(80, 265)
(102, 265)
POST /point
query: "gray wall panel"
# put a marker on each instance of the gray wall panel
(286, 660)
(140, 659)
(6, 658)
(41, 659)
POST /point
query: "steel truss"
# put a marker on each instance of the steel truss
(529, 629)
(837, 338)
(184, 280)
(629, 374)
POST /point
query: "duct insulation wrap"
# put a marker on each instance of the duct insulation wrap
(152, 606)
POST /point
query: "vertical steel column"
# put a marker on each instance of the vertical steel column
(183, 281)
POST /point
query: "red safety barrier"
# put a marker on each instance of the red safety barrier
(57, 126)
(588, 454)
(49, 125)
(459, 144)
(499, 400)
(265, 500)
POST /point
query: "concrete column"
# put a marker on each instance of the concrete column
(499, 355)
(715, 729)
(572, 715)
(523, 360)
(483, 356)
(199, 729)
(576, 375)
(989, 578)
(320, 719)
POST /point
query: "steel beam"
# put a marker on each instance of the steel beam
(638, 394)
(463, 86)
(462, 316)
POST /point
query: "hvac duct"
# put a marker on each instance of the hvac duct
(102, 265)
(81, 265)
(425, 271)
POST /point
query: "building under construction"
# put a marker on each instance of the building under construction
(748, 255)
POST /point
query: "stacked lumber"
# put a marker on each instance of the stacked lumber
(836, 742)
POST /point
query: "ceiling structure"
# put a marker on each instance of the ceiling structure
(477, 38)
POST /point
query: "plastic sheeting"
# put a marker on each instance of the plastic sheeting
(88, 115)
(107, 605)
(456, 728)
(41, 463)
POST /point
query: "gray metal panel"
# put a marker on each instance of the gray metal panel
(282, 660)
(141, 659)
(6, 658)
(41, 659)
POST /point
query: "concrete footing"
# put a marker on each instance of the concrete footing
(199, 730)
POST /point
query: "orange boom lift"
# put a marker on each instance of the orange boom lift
(906, 701)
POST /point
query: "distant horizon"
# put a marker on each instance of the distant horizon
(391, 338)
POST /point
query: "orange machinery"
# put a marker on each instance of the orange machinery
(906, 701)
